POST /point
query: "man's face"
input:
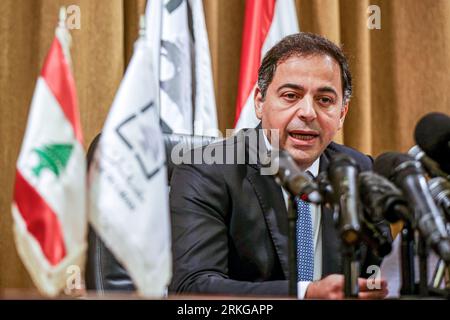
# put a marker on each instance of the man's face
(304, 101)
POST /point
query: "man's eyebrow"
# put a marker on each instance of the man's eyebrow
(301, 88)
(290, 86)
(327, 89)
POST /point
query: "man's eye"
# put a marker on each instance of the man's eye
(290, 96)
(326, 100)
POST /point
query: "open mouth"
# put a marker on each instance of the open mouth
(303, 135)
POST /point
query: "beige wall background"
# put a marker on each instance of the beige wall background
(401, 71)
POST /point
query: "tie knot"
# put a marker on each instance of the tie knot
(309, 174)
(302, 205)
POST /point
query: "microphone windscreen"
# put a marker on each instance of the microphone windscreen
(342, 159)
(432, 134)
(386, 163)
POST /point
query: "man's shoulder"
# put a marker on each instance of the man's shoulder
(365, 161)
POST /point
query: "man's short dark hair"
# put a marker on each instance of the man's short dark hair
(303, 44)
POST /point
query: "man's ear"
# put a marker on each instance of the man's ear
(344, 111)
(258, 99)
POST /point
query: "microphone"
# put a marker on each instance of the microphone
(429, 164)
(440, 190)
(378, 240)
(381, 198)
(325, 188)
(432, 134)
(343, 176)
(295, 181)
(408, 175)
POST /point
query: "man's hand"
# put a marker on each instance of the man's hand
(332, 287)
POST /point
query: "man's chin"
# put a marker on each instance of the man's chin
(303, 158)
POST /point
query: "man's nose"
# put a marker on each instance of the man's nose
(306, 111)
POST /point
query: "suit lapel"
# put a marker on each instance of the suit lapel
(272, 203)
(331, 257)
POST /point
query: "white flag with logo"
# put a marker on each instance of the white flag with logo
(128, 205)
(48, 208)
(185, 77)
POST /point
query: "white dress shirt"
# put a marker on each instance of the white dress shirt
(317, 230)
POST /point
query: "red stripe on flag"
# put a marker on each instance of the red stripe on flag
(57, 75)
(40, 219)
(258, 18)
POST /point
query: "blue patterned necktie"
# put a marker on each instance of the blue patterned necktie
(305, 246)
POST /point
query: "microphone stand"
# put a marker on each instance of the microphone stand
(351, 265)
(407, 260)
(441, 273)
(422, 251)
(409, 286)
(351, 271)
(292, 245)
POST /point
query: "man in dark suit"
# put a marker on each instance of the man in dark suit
(229, 221)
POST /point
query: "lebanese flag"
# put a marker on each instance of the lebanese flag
(266, 22)
(49, 194)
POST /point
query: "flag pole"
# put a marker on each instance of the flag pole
(62, 17)
(153, 17)
(142, 26)
(63, 34)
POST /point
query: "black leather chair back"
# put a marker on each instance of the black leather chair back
(182, 142)
(103, 271)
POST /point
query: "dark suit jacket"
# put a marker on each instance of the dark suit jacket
(229, 226)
